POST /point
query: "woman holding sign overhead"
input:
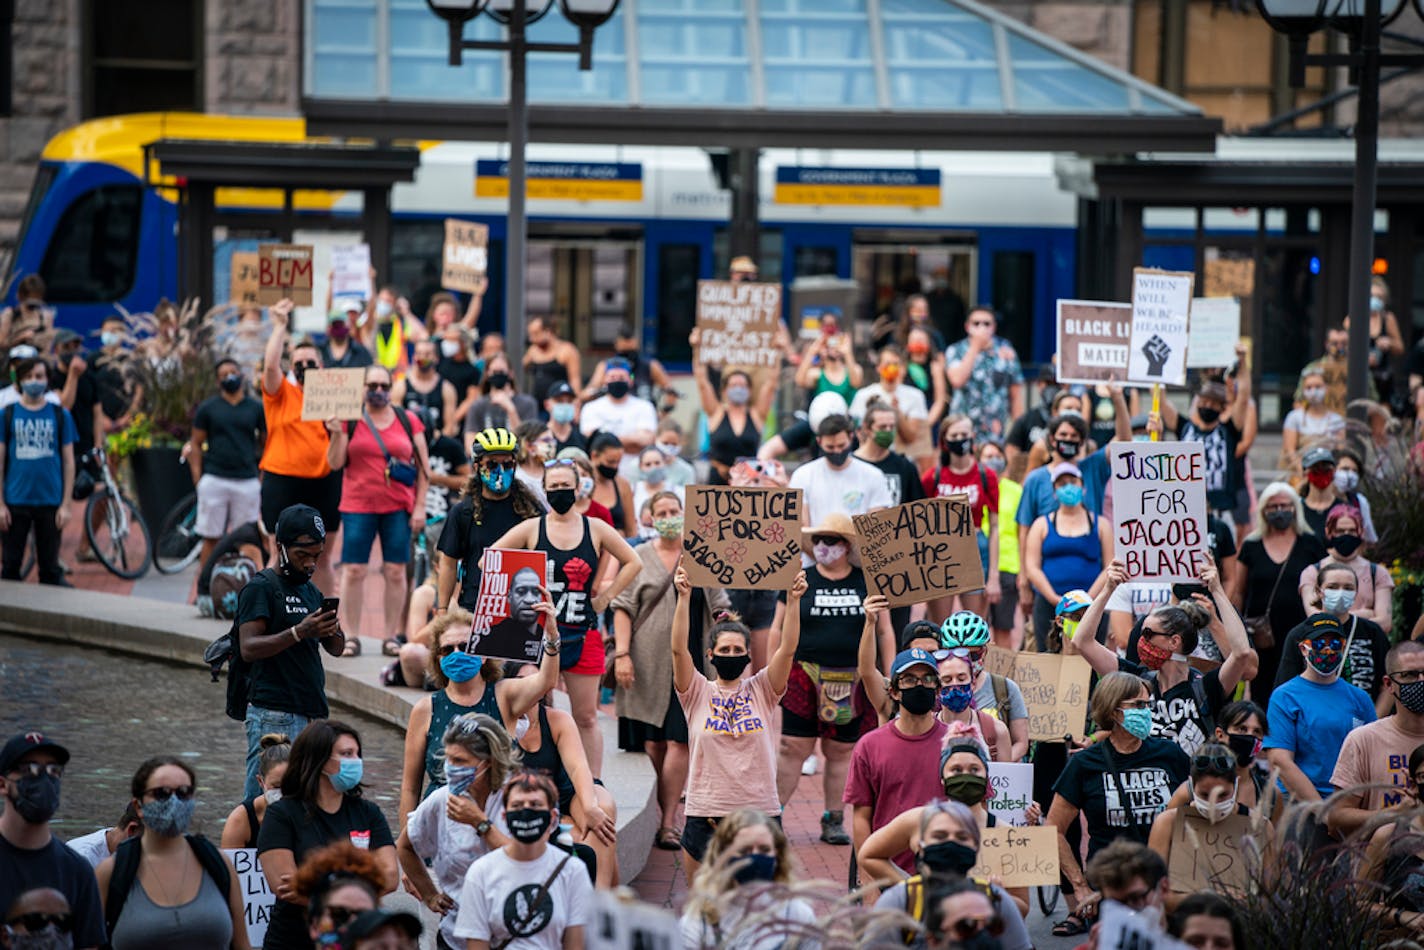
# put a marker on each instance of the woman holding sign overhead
(735, 421)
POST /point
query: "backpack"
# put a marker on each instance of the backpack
(1001, 697)
(126, 860)
(229, 576)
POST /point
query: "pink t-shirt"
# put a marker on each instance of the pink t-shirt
(364, 487)
(1376, 754)
(892, 773)
(731, 746)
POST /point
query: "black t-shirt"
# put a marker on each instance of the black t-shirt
(291, 681)
(831, 618)
(466, 541)
(56, 866)
(902, 478)
(1090, 783)
(1364, 661)
(446, 457)
(415, 400)
(1219, 539)
(1175, 713)
(113, 391)
(86, 395)
(1028, 429)
(575, 440)
(243, 535)
(1286, 609)
(232, 436)
(300, 828)
(463, 376)
(355, 357)
(1219, 445)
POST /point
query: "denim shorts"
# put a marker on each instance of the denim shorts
(259, 723)
(360, 534)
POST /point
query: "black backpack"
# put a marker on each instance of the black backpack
(126, 861)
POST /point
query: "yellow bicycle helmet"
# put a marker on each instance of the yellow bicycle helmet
(489, 441)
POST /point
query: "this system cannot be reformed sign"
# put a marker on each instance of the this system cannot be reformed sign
(921, 550)
(742, 537)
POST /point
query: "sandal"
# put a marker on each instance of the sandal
(1070, 926)
(391, 647)
(669, 839)
(352, 648)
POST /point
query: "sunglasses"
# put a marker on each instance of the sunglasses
(560, 463)
(498, 466)
(450, 648)
(38, 921)
(971, 927)
(341, 916)
(827, 539)
(1224, 764)
(378, 387)
(36, 769)
(161, 793)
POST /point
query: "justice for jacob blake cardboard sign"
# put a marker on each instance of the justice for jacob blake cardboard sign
(1159, 509)
(742, 537)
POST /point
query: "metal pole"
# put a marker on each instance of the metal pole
(1362, 219)
(515, 256)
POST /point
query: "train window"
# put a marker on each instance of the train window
(815, 261)
(678, 265)
(143, 56)
(92, 255)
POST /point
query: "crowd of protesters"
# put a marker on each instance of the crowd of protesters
(1283, 678)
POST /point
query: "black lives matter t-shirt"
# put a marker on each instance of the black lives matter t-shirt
(1176, 713)
(291, 681)
(1120, 799)
(831, 618)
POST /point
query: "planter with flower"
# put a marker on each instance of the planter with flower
(1393, 481)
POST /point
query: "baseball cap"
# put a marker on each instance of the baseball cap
(908, 658)
(348, 304)
(964, 744)
(1063, 468)
(1322, 625)
(368, 922)
(559, 390)
(1316, 456)
(299, 521)
(24, 352)
(65, 335)
(26, 742)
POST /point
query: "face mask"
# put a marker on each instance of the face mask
(449, 348)
(966, 787)
(667, 448)
(755, 867)
(36, 798)
(1137, 722)
(618, 388)
(1336, 350)
(917, 700)
(948, 857)
(1208, 415)
(828, 553)
(347, 776)
(425, 365)
(300, 371)
(378, 398)
(34, 388)
(1070, 629)
(1314, 395)
(543, 450)
(1068, 450)
(959, 447)
(1376, 305)
(1152, 656)
(498, 480)
(383, 309)
(918, 348)
(1280, 520)
(1219, 810)
(1324, 662)
(996, 464)
(338, 331)
(1244, 747)
(837, 459)
(272, 796)
(631, 355)
(890, 373)
(1411, 696)
(498, 380)
(956, 698)
(461, 667)
(47, 939)
(655, 475)
(169, 818)
(585, 486)
(562, 413)
(110, 338)
(884, 438)
(668, 527)
(460, 777)
(1346, 544)
(608, 471)
(736, 395)
(730, 668)
(1347, 479)
(290, 571)
(1320, 478)
(1069, 495)
(561, 499)
(231, 383)
(528, 825)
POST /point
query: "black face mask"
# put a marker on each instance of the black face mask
(231, 383)
(837, 459)
(1346, 544)
(959, 446)
(948, 857)
(1280, 520)
(561, 499)
(1207, 415)
(918, 700)
(498, 380)
(1068, 450)
(528, 825)
(608, 471)
(36, 798)
(629, 355)
(300, 371)
(730, 667)
(618, 388)
(1244, 747)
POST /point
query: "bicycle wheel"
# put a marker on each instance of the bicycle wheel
(1047, 898)
(118, 535)
(177, 544)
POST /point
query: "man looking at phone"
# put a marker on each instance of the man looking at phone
(281, 618)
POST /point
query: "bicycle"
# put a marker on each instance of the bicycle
(117, 533)
(178, 543)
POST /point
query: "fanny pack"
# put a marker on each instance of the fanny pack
(396, 471)
(834, 686)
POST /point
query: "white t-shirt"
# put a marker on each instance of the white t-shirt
(697, 932)
(621, 418)
(93, 847)
(1331, 425)
(911, 400)
(496, 900)
(854, 490)
(450, 846)
(1139, 598)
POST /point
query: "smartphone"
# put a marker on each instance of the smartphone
(330, 603)
(1185, 591)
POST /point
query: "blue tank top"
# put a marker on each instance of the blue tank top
(1072, 563)
(443, 711)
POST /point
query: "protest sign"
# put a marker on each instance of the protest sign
(1123, 928)
(737, 323)
(1055, 689)
(742, 537)
(632, 925)
(1092, 341)
(284, 271)
(1209, 857)
(243, 282)
(506, 625)
(1216, 326)
(1012, 783)
(999, 661)
(1021, 857)
(1159, 509)
(921, 550)
(333, 394)
(351, 271)
(465, 257)
(257, 897)
(1161, 310)
(1229, 277)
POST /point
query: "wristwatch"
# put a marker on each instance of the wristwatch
(483, 828)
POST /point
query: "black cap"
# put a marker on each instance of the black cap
(26, 742)
(299, 521)
(1322, 625)
(559, 389)
(368, 922)
(65, 335)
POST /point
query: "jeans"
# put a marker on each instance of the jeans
(259, 723)
(41, 519)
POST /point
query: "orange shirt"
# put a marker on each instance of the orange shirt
(294, 447)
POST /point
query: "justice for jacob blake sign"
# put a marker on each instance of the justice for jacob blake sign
(1159, 509)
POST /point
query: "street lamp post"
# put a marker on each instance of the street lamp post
(517, 15)
(1362, 21)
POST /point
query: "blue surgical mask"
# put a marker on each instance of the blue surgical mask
(110, 338)
(1069, 495)
(169, 818)
(348, 776)
(562, 413)
(461, 777)
(34, 388)
(460, 667)
(655, 475)
(1337, 601)
(498, 481)
(1138, 722)
(956, 698)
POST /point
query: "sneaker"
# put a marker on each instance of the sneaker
(809, 766)
(833, 829)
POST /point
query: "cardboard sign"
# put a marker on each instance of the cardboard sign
(1012, 783)
(1022, 857)
(351, 271)
(257, 897)
(1161, 312)
(1159, 509)
(999, 661)
(1229, 277)
(244, 278)
(737, 324)
(632, 925)
(1207, 857)
(1121, 928)
(333, 394)
(284, 271)
(506, 625)
(742, 537)
(1092, 341)
(1055, 689)
(465, 259)
(921, 550)
(1216, 326)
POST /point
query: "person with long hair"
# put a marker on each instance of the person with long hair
(321, 803)
(959, 472)
(337, 883)
(240, 829)
(610, 489)
(1240, 726)
(166, 887)
(1374, 587)
(736, 419)
(536, 446)
(828, 364)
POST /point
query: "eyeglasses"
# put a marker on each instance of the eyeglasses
(498, 466)
(1136, 704)
(1406, 676)
(906, 682)
(378, 387)
(36, 769)
(37, 921)
(1136, 899)
(449, 648)
(161, 793)
(560, 463)
(1224, 764)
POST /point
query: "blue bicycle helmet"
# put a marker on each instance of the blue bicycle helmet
(964, 628)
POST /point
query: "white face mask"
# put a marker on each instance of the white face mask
(449, 348)
(273, 795)
(383, 308)
(1219, 810)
